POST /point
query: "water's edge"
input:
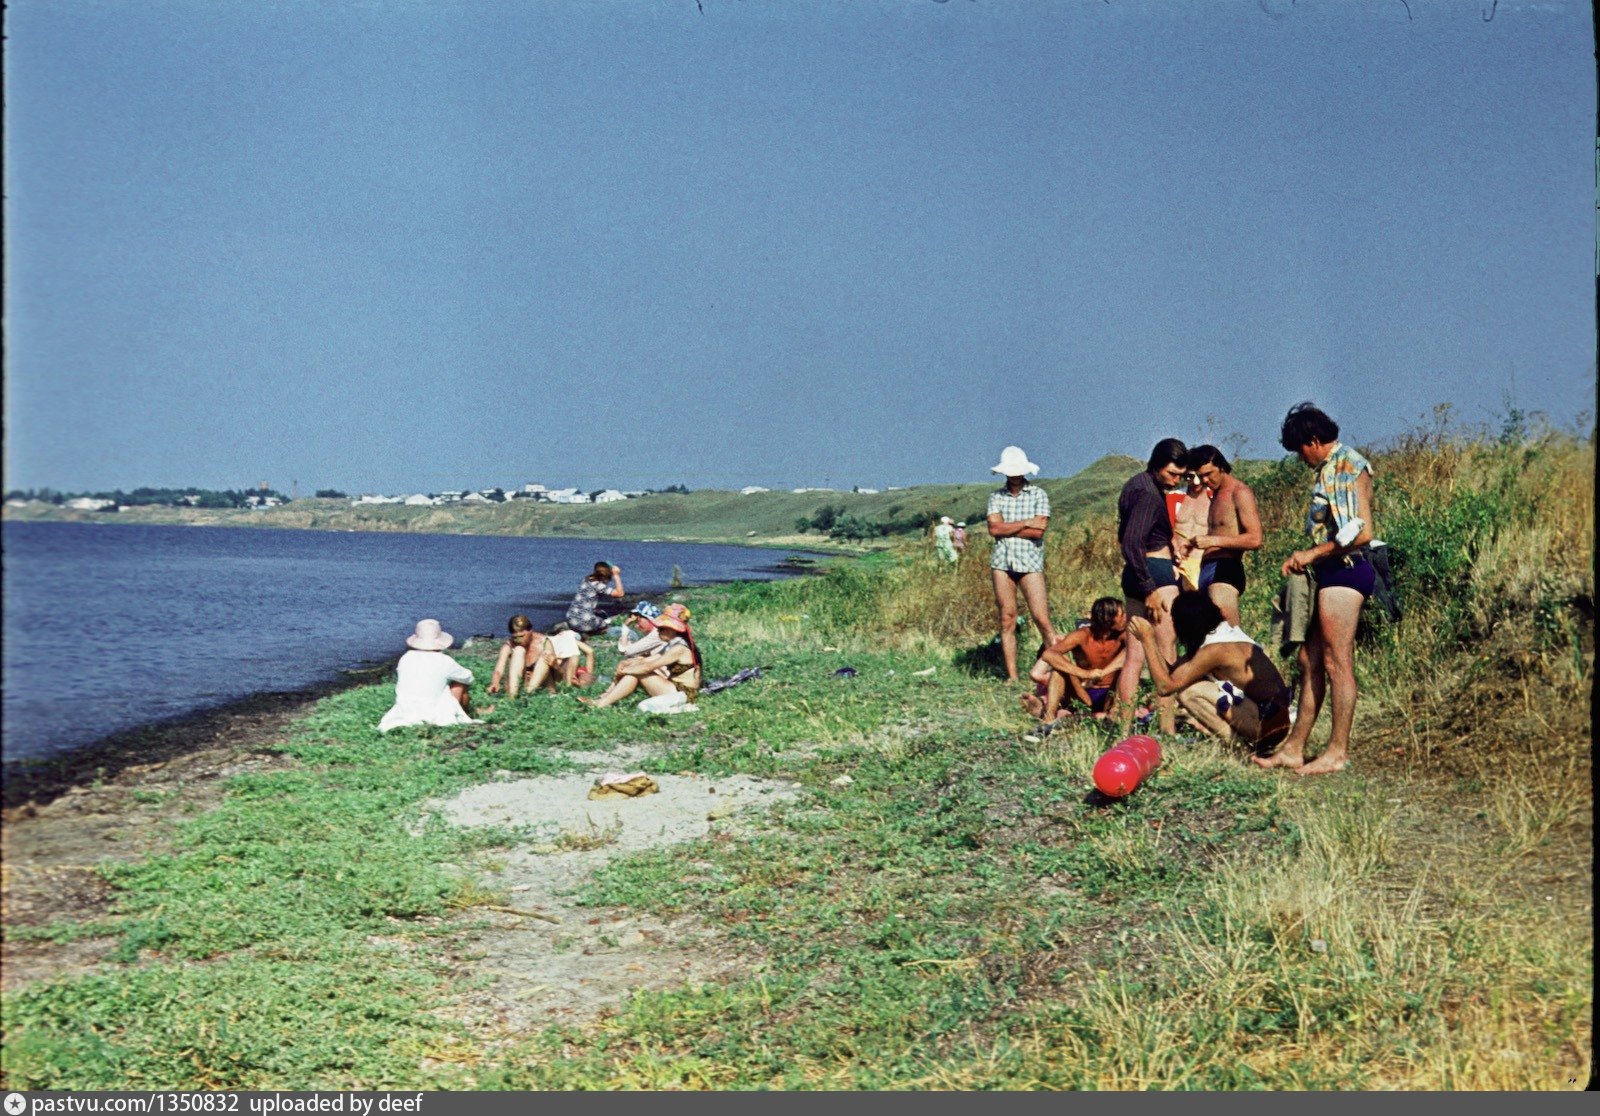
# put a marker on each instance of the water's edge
(43, 779)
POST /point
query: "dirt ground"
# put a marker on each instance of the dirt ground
(531, 971)
(518, 971)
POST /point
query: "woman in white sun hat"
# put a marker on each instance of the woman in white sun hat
(1018, 515)
(430, 687)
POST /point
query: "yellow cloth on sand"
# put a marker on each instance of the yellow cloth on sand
(631, 787)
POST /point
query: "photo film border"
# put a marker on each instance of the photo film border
(448, 1103)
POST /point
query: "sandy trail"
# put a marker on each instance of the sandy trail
(534, 972)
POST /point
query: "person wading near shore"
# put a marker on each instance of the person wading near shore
(1233, 526)
(1018, 516)
(1149, 581)
(430, 687)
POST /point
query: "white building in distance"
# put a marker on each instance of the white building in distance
(752, 489)
(609, 496)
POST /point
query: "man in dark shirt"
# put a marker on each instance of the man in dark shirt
(1149, 581)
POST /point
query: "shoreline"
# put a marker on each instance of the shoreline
(41, 780)
(187, 517)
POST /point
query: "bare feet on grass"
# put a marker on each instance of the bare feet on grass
(1283, 757)
(1325, 764)
(1034, 704)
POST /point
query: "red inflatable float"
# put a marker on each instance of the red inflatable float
(1125, 765)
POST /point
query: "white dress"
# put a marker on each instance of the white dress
(422, 692)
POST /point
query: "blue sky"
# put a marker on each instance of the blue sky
(390, 246)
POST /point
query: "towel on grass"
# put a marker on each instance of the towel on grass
(717, 685)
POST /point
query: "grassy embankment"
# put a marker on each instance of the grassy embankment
(709, 515)
(958, 916)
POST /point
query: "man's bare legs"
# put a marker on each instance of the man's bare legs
(1005, 601)
(1037, 599)
(1199, 701)
(1327, 661)
(1338, 613)
(1133, 665)
(1226, 598)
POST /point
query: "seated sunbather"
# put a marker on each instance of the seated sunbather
(675, 667)
(518, 656)
(430, 687)
(629, 644)
(1083, 664)
(561, 661)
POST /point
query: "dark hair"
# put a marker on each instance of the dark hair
(1104, 611)
(602, 572)
(1194, 616)
(1206, 455)
(1168, 451)
(1305, 424)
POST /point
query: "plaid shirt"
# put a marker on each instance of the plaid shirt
(1334, 501)
(1017, 554)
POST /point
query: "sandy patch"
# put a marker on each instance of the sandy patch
(537, 972)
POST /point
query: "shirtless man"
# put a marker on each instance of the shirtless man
(1083, 664)
(1233, 527)
(1225, 682)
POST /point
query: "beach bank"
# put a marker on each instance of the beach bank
(934, 900)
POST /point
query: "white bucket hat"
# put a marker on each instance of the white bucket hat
(429, 637)
(1014, 463)
(946, 519)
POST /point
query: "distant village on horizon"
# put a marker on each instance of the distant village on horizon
(264, 496)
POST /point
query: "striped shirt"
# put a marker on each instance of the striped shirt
(1015, 553)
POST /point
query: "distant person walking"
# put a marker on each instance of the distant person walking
(583, 614)
(1233, 526)
(430, 687)
(1149, 581)
(1339, 521)
(1018, 516)
(944, 534)
(958, 538)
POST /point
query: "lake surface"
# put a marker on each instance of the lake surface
(109, 627)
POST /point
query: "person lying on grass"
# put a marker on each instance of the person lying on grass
(1083, 664)
(518, 656)
(674, 668)
(1225, 682)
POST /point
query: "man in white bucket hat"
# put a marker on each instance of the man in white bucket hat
(1018, 515)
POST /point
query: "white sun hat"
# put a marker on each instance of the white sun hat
(1014, 463)
(429, 636)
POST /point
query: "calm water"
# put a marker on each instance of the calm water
(108, 627)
